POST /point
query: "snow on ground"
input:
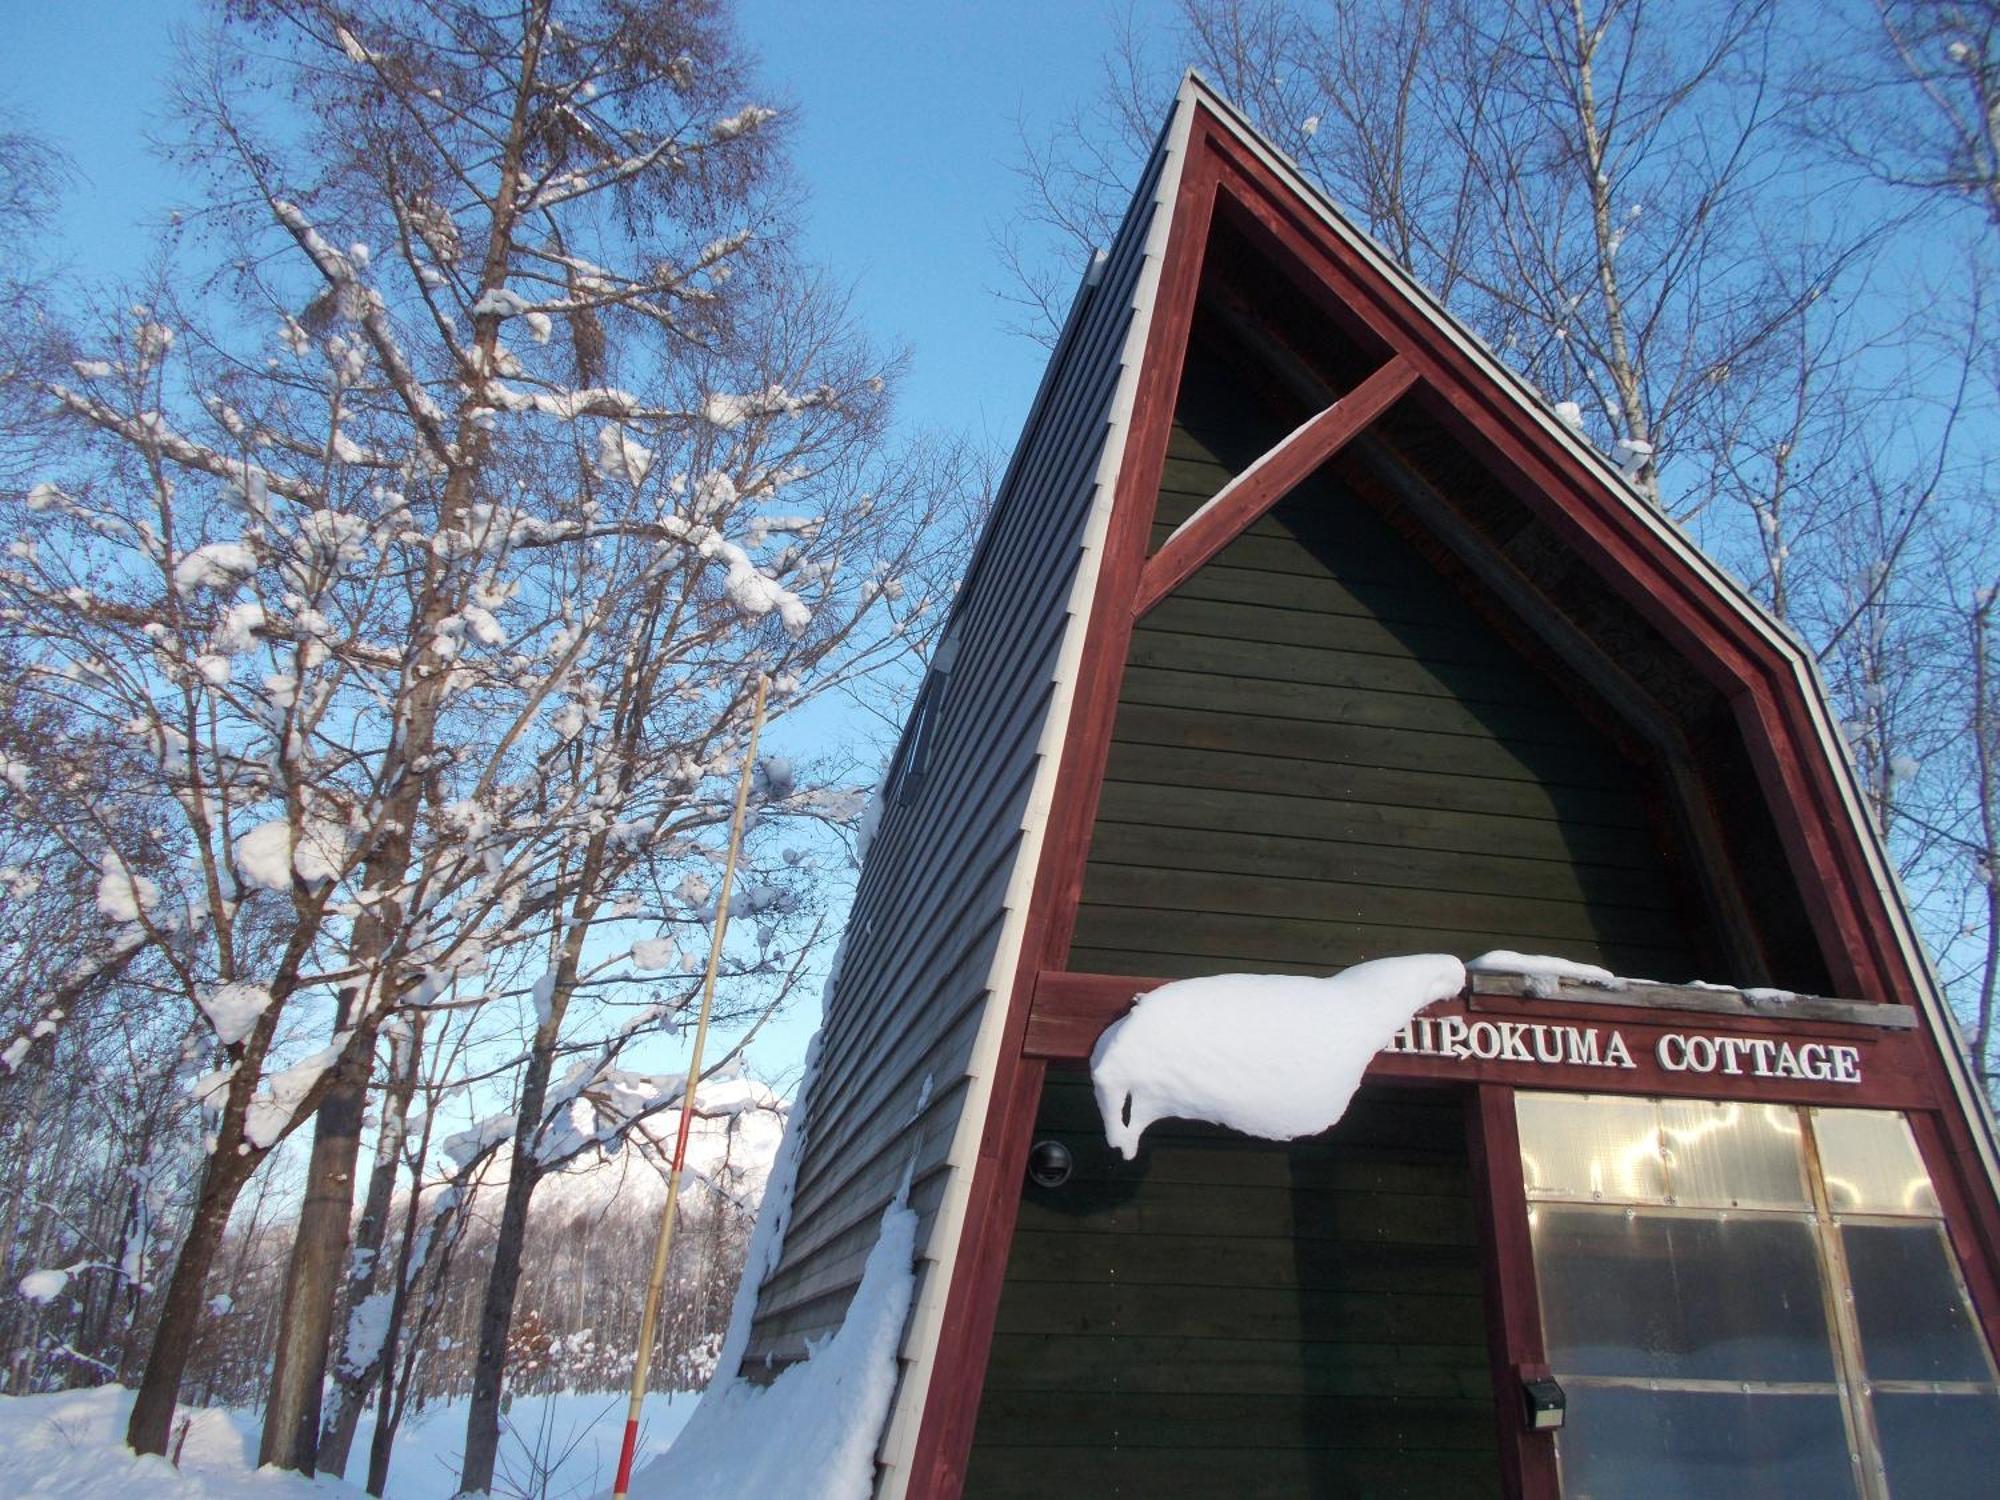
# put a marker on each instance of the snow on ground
(73, 1444)
(811, 1433)
(562, 1447)
(572, 1437)
(1272, 1055)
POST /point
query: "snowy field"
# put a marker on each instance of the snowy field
(562, 1447)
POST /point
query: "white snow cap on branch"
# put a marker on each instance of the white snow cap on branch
(43, 1286)
(232, 1009)
(754, 591)
(275, 1104)
(268, 857)
(745, 119)
(121, 895)
(219, 565)
(619, 456)
(1272, 1055)
(1631, 455)
(465, 1147)
(655, 953)
(501, 303)
(723, 409)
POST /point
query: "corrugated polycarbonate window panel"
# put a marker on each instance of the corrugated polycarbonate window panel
(1734, 1155)
(1912, 1312)
(1673, 1296)
(1871, 1163)
(1623, 1443)
(1733, 1313)
(1591, 1148)
(1595, 1148)
(1940, 1447)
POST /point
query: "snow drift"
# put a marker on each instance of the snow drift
(811, 1433)
(1272, 1055)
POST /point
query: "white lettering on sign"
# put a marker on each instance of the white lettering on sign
(1547, 1044)
(1817, 1062)
(1513, 1041)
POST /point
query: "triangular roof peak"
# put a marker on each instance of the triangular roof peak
(1210, 161)
(1196, 90)
(1230, 251)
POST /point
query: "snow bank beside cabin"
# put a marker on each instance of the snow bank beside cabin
(810, 1434)
(1272, 1055)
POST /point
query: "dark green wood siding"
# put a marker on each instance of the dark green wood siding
(1325, 754)
(1232, 1317)
(901, 1021)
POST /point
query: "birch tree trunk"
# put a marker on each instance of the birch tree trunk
(152, 1420)
(353, 1377)
(312, 1275)
(503, 1281)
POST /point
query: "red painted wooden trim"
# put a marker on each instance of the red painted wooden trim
(1513, 1301)
(958, 1365)
(1855, 926)
(1071, 1010)
(1268, 480)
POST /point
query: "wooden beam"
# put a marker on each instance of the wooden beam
(1070, 1011)
(1513, 1298)
(1268, 480)
(1645, 994)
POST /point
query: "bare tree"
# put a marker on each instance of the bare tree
(414, 566)
(359, 1365)
(1909, 94)
(1604, 191)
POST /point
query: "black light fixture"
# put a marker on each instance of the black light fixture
(1545, 1403)
(1049, 1164)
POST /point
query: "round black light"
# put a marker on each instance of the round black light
(1049, 1164)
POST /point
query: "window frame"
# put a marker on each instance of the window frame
(1855, 1390)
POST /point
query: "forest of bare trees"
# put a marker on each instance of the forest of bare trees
(388, 584)
(387, 575)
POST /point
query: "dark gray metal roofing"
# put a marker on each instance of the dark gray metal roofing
(904, 1011)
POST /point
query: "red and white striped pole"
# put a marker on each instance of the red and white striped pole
(663, 1246)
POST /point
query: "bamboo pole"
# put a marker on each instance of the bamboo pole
(663, 1246)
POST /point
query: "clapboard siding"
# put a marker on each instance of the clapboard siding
(902, 1018)
(1240, 1317)
(1324, 754)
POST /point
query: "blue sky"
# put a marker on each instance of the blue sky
(905, 142)
(906, 139)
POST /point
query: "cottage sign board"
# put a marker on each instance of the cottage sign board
(1460, 1038)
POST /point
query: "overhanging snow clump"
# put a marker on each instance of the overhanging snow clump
(811, 1433)
(1271, 1055)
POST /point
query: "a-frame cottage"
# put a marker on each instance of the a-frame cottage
(1303, 634)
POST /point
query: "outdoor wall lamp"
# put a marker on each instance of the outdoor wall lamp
(1544, 1402)
(1049, 1164)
